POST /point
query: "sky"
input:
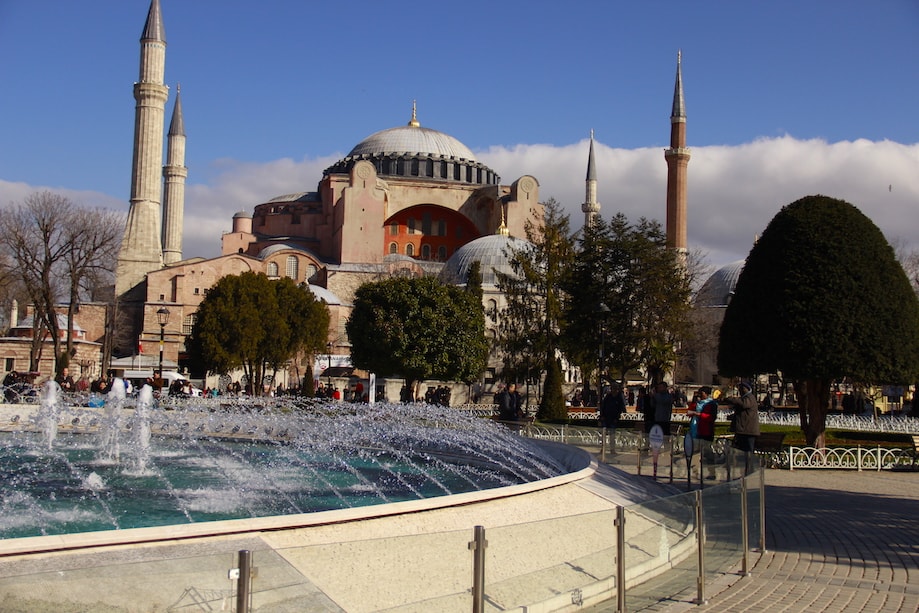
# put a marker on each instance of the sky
(783, 99)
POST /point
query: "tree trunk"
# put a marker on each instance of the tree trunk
(813, 404)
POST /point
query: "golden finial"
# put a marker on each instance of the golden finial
(414, 122)
(502, 229)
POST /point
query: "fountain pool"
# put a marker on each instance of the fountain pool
(73, 469)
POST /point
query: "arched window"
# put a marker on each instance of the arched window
(311, 271)
(293, 267)
(272, 269)
(393, 248)
(441, 254)
(410, 250)
(425, 252)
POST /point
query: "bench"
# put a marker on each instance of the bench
(768, 444)
(914, 452)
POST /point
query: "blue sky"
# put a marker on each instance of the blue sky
(784, 99)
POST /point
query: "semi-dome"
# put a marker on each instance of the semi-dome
(718, 288)
(491, 251)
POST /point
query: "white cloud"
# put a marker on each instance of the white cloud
(734, 191)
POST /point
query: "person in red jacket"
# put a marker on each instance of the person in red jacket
(704, 415)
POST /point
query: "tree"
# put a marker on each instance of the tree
(821, 297)
(418, 328)
(55, 251)
(256, 323)
(532, 320)
(644, 289)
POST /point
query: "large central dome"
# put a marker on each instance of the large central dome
(411, 151)
(412, 139)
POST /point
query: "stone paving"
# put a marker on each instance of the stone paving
(836, 541)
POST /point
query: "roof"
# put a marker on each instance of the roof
(491, 251)
(718, 288)
(412, 139)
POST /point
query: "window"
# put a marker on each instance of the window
(272, 269)
(441, 227)
(197, 291)
(393, 229)
(311, 271)
(442, 254)
(188, 323)
(10, 363)
(293, 267)
(410, 250)
(425, 252)
(411, 225)
(426, 223)
(393, 248)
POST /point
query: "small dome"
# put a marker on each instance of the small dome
(491, 251)
(322, 293)
(718, 288)
(412, 139)
(242, 215)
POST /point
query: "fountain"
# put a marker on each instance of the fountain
(132, 464)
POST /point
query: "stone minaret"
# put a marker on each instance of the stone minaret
(174, 174)
(677, 157)
(591, 207)
(141, 247)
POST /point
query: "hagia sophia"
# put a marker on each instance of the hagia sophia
(407, 200)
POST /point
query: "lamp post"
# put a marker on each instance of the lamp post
(329, 371)
(162, 316)
(603, 312)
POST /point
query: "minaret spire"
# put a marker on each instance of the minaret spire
(141, 247)
(174, 175)
(677, 157)
(591, 208)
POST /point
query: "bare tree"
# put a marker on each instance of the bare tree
(56, 250)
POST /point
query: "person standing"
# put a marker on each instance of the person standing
(663, 407)
(746, 421)
(705, 412)
(508, 404)
(612, 407)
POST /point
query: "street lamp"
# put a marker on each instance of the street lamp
(162, 316)
(329, 371)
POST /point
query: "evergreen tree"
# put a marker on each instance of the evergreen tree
(418, 328)
(251, 322)
(821, 297)
(532, 320)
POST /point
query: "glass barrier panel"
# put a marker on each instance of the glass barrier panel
(122, 579)
(422, 572)
(660, 549)
(552, 563)
(721, 519)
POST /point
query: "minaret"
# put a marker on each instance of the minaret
(591, 207)
(141, 247)
(677, 157)
(174, 174)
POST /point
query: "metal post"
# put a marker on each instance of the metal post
(244, 581)
(620, 559)
(744, 529)
(602, 444)
(859, 456)
(478, 546)
(700, 545)
(762, 509)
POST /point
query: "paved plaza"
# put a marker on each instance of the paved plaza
(836, 541)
